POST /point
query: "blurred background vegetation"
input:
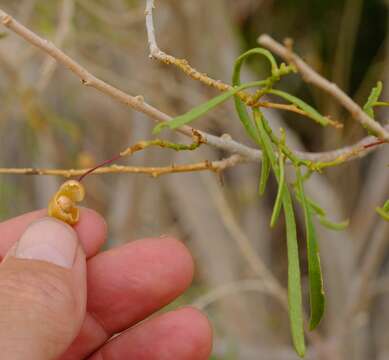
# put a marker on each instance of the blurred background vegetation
(48, 119)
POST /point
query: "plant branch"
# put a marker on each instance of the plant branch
(137, 103)
(362, 286)
(186, 68)
(182, 64)
(215, 166)
(348, 153)
(222, 291)
(312, 77)
(141, 145)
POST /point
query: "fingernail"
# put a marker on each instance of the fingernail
(48, 240)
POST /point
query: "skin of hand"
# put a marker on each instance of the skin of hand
(60, 298)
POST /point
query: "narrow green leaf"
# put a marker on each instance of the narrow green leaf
(308, 109)
(242, 58)
(280, 192)
(333, 225)
(375, 93)
(381, 103)
(321, 213)
(384, 211)
(384, 214)
(315, 207)
(294, 277)
(285, 149)
(316, 290)
(239, 105)
(202, 109)
(265, 172)
(240, 108)
(265, 140)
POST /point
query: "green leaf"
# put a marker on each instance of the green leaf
(333, 225)
(265, 172)
(239, 105)
(202, 109)
(283, 147)
(381, 103)
(321, 213)
(294, 277)
(375, 93)
(315, 207)
(308, 109)
(265, 140)
(384, 211)
(281, 185)
(242, 58)
(316, 290)
(384, 214)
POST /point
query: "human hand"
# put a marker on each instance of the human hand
(70, 304)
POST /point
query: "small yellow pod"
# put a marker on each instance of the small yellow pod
(62, 205)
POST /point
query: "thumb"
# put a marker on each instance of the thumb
(42, 292)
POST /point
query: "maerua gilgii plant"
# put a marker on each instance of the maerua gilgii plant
(276, 155)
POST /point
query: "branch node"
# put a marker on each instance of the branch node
(140, 99)
(226, 137)
(7, 19)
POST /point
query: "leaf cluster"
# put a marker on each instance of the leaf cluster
(276, 155)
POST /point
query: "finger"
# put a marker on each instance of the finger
(91, 336)
(127, 284)
(183, 334)
(91, 230)
(42, 292)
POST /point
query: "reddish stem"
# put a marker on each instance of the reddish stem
(106, 162)
(379, 142)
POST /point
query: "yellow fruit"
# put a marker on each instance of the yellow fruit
(63, 206)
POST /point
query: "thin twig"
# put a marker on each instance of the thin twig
(288, 107)
(222, 291)
(312, 77)
(361, 287)
(295, 109)
(157, 53)
(215, 166)
(141, 145)
(135, 102)
(244, 245)
(186, 68)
